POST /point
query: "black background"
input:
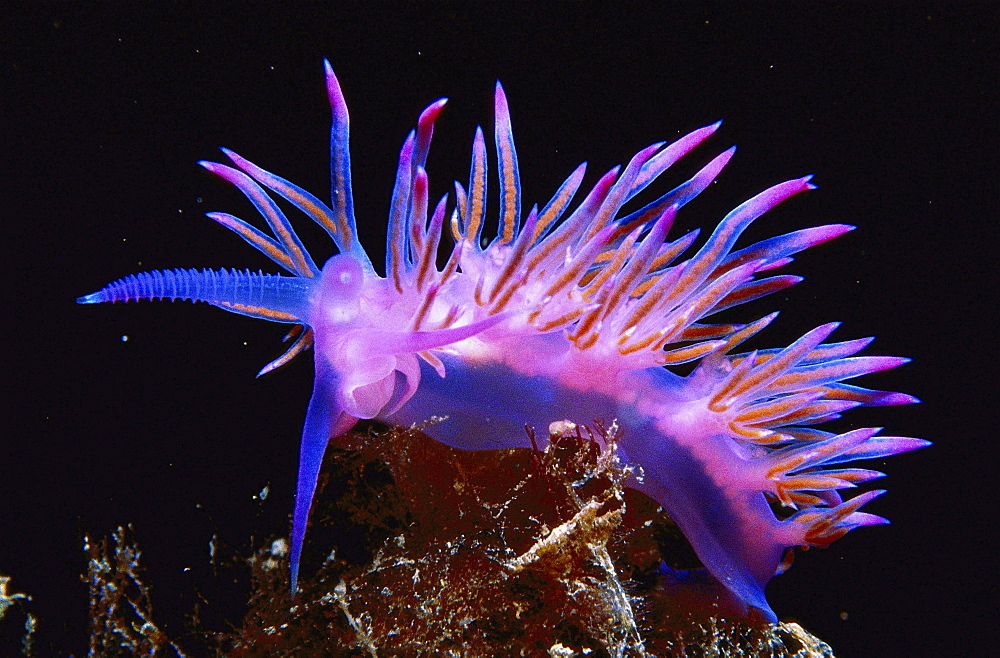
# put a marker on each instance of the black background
(105, 112)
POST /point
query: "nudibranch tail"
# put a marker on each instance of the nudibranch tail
(567, 312)
(745, 446)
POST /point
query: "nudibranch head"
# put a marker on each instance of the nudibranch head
(336, 300)
(568, 313)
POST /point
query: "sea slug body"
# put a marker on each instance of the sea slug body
(567, 313)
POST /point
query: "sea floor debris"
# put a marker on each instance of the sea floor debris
(419, 549)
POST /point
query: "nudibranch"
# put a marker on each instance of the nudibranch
(568, 313)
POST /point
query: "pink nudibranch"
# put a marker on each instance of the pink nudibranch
(574, 314)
